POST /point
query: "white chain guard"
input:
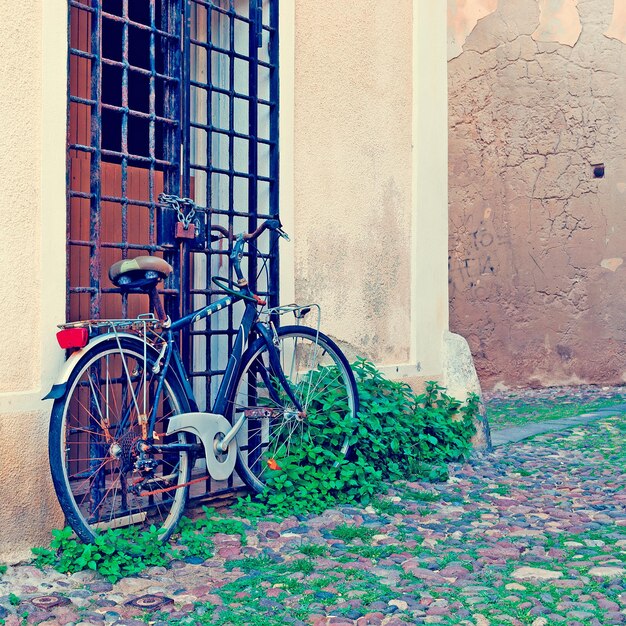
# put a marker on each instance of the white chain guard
(207, 427)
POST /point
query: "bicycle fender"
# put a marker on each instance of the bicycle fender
(60, 386)
(57, 391)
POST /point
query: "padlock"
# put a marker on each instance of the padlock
(185, 233)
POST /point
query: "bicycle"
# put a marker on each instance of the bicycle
(126, 430)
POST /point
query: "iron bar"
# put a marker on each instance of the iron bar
(95, 164)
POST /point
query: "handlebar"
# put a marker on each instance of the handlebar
(240, 288)
(273, 224)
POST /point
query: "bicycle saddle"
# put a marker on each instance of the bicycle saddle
(139, 274)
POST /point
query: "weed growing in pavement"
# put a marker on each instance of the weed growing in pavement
(515, 412)
(501, 490)
(251, 564)
(401, 533)
(122, 552)
(522, 472)
(349, 533)
(374, 552)
(313, 549)
(384, 506)
(424, 496)
(304, 566)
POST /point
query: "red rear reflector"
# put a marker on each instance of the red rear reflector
(73, 338)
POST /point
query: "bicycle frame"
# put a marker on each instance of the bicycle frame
(249, 326)
(173, 359)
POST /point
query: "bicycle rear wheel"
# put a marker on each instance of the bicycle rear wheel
(275, 431)
(100, 476)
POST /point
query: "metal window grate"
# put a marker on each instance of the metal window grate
(231, 159)
(124, 121)
(178, 96)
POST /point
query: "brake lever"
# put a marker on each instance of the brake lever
(283, 234)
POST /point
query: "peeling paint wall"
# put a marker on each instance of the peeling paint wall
(559, 22)
(537, 110)
(463, 15)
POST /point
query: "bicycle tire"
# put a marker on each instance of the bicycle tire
(93, 452)
(324, 384)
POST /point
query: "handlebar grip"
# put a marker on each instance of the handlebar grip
(271, 224)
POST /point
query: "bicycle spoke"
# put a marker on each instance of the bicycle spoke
(327, 386)
(319, 378)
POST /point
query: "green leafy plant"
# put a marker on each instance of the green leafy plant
(122, 552)
(3, 569)
(14, 600)
(196, 544)
(115, 553)
(396, 434)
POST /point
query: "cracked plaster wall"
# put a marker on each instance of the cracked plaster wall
(536, 99)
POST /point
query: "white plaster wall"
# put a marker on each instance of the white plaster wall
(32, 255)
(353, 170)
(370, 176)
(20, 193)
(429, 246)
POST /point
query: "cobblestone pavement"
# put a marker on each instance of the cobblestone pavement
(580, 394)
(532, 534)
(515, 407)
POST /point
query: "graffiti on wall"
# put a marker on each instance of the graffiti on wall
(474, 252)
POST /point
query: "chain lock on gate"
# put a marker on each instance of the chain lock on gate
(185, 228)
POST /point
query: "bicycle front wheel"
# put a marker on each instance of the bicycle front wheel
(277, 431)
(101, 474)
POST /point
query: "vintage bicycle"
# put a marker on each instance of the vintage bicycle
(126, 430)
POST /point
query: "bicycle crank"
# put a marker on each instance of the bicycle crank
(211, 429)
